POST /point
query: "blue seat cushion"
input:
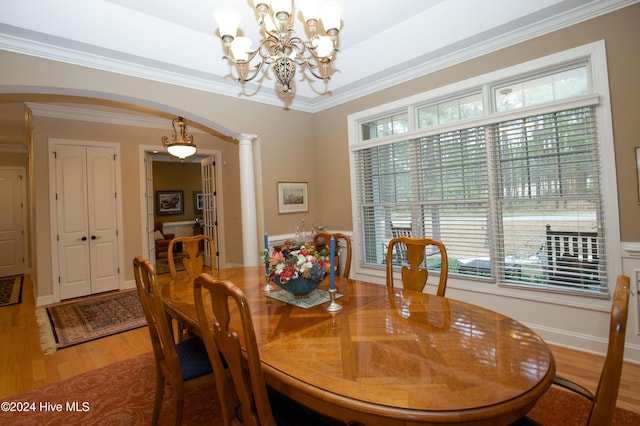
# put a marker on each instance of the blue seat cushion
(193, 358)
(287, 412)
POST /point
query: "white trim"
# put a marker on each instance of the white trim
(92, 115)
(594, 54)
(53, 211)
(587, 52)
(26, 230)
(142, 149)
(141, 68)
(630, 250)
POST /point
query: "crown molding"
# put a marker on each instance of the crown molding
(95, 116)
(98, 116)
(441, 60)
(26, 42)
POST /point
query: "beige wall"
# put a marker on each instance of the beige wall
(621, 32)
(174, 176)
(130, 138)
(299, 146)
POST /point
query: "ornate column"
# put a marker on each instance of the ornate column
(248, 201)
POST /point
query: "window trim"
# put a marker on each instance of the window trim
(593, 55)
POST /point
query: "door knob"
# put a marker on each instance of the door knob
(93, 237)
(83, 238)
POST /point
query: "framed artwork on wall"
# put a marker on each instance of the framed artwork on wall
(292, 197)
(169, 202)
(197, 201)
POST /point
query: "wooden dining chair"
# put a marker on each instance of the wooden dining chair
(185, 366)
(194, 251)
(243, 393)
(322, 239)
(603, 403)
(414, 275)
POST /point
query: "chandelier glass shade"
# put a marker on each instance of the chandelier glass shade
(181, 143)
(280, 47)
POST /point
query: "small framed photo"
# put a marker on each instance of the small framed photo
(197, 201)
(292, 197)
(169, 202)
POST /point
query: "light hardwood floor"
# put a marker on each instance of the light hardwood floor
(25, 367)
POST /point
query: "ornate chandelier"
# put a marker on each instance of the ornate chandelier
(181, 145)
(280, 46)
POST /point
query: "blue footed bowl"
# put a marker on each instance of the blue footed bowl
(299, 287)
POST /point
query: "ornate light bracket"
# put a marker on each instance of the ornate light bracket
(280, 47)
(181, 145)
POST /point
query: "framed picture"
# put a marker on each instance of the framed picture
(638, 171)
(169, 202)
(197, 201)
(292, 197)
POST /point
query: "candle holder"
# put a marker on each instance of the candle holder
(267, 284)
(333, 306)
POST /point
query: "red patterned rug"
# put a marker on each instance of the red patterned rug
(92, 318)
(559, 407)
(118, 394)
(123, 393)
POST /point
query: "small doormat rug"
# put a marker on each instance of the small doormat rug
(88, 319)
(11, 290)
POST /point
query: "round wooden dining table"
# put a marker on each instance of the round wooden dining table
(389, 356)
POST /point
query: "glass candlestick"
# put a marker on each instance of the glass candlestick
(267, 284)
(333, 306)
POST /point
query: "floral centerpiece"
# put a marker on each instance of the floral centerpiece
(298, 270)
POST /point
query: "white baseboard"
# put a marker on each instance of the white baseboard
(584, 343)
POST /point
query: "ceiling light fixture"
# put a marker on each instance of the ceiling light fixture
(182, 145)
(280, 46)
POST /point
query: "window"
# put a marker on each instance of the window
(513, 190)
(445, 112)
(386, 126)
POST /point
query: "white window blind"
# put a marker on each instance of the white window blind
(517, 201)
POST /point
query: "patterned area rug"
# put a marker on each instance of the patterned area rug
(559, 407)
(92, 318)
(11, 290)
(122, 394)
(162, 264)
(118, 394)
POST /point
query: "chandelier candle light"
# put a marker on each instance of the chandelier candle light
(333, 306)
(267, 284)
(280, 46)
(181, 145)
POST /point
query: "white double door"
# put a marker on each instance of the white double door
(86, 213)
(12, 219)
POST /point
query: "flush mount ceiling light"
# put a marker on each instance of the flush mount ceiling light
(280, 46)
(181, 145)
